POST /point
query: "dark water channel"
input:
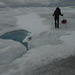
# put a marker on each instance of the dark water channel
(16, 35)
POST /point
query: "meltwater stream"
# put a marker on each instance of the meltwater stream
(9, 53)
(16, 35)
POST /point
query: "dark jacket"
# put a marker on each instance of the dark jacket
(57, 12)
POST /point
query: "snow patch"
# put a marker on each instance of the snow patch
(10, 50)
(32, 22)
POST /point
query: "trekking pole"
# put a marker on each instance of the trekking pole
(66, 26)
(52, 22)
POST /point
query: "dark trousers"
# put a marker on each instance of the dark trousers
(56, 23)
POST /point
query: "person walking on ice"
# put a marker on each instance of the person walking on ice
(56, 15)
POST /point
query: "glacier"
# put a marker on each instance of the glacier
(48, 47)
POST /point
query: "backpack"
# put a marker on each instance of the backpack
(64, 21)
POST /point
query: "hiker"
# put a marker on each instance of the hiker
(26, 41)
(56, 15)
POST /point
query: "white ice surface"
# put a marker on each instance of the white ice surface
(47, 45)
(32, 22)
(10, 50)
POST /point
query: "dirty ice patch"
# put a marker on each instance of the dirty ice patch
(32, 22)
